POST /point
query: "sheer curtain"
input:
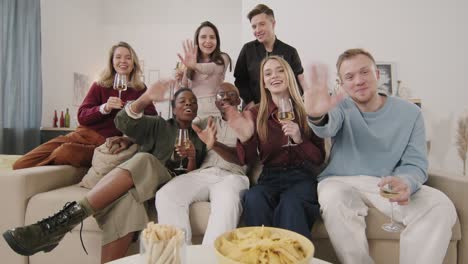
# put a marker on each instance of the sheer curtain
(20, 75)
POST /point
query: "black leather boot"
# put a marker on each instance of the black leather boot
(47, 233)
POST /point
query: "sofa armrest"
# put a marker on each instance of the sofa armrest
(455, 187)
(17, 186)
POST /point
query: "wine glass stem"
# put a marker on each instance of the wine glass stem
(289, 140)
(120, 92)
(391, 212)
(181, 165)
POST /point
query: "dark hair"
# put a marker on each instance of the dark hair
(176, 94)
(260, 9)
(216, 55)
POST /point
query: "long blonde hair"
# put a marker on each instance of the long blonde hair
(298, 104)
(107, 76)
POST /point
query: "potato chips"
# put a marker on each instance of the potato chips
(261, 245)
(162, 244)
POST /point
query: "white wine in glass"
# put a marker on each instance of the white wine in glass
(120, 83)
(286, 113)
(182, 141)
(387, 192)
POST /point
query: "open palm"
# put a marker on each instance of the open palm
(241, 122)
(207, 135)
(190, 54)
(157, 90)
(317, 99)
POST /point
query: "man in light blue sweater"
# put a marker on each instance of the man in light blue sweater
(377, 141)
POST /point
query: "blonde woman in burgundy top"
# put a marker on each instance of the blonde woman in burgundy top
(95, 115)
(205, 67)
(285, 195)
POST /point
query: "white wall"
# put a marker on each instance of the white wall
(426, 39)
(70, 43)
(77, 35)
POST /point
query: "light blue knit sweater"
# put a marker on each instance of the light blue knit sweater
(390, 141)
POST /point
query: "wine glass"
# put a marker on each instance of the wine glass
(120, 83)
(182, 141)
(387, 192)
(286, 112)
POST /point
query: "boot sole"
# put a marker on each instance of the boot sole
(9, 238)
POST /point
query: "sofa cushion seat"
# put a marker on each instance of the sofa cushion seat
(45, 204)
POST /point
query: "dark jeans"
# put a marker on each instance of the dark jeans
(284, 198)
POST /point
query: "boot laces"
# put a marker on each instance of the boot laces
(50, 223)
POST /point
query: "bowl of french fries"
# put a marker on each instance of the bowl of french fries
(162, 244)
(263, 245)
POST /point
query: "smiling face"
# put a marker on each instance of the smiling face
(263, 27)
(207, 41)
(275, 78)
(227, 94)
(359, 77)
(122, 61)
(185, 106)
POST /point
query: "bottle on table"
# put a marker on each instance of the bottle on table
(55, 120)
(67, 119)
(62, 120)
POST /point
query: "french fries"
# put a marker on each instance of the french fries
(162, 244)
(261, 246)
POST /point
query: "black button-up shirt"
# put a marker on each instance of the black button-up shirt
(247, 71)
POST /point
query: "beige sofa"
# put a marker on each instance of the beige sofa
(31, 194)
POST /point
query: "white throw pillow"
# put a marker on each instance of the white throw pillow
(103, 162)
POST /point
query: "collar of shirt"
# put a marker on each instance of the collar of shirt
(262, 49)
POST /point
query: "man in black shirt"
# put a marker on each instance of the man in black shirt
(247, 71)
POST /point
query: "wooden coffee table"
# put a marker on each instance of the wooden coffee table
(196, 254)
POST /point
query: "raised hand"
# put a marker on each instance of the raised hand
(190, 54)
(113, 103)
(317, 100)
(207, 135)
(156, 92)
(292, 130)
(241, 122)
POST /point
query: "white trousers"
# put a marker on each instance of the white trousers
(429, 218)
(222, 188)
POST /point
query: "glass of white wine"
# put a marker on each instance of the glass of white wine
(120, 83)
(286, 112)
(182, 141)
(387, 192)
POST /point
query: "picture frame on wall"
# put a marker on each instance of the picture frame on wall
(81, 84)
(388, 78)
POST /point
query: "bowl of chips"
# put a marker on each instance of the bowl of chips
(263, 245)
